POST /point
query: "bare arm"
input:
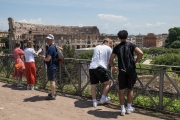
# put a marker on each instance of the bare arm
(111, 62)
(36, 54)
(60, 47)
(139, 54)
(48, 58)
(39, 51)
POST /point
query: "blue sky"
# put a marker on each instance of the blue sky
(110, 16)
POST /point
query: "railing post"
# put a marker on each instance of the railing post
(60, 74)
(161, 87)
(79, 78)
(44, 75)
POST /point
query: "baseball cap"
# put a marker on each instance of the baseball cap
(50, 36)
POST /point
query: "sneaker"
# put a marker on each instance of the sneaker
(130, 110)
(123, 112)
(20, 85)
(28, 87)
(50, 98)
(105, 100)
(95, 103)
(34, 88)
(50, 94)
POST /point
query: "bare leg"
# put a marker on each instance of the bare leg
(121, 96)
(53, 87)
(130, 96)
(106, 87)
(93, 91)
(19, 80)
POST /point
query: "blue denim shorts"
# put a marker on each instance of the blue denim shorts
(51, 74)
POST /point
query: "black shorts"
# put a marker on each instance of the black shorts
(51, 74)
(127, 80)
(98, 74)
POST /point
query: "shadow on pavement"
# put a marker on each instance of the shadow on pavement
(83, 103)
(104, 114)
(35, 98)
(14, 87)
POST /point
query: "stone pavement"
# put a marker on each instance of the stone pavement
(21, 104)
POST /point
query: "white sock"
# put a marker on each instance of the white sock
(122, 107)
(94, 100)
(103, 97)
(129, 105)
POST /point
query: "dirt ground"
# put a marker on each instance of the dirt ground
(21, 104)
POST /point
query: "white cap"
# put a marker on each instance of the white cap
(50, 36)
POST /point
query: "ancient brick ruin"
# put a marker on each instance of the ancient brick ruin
(75, 36)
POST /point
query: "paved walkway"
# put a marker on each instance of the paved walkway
(21, 104)
(147, 61)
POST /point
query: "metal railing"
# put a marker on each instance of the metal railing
(157, 86)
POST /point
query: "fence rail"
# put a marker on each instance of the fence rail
(157, 86)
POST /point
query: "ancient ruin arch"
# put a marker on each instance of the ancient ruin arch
(78, 46)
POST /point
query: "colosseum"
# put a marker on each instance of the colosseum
(75, 36)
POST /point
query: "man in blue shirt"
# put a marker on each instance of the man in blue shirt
(52, 64)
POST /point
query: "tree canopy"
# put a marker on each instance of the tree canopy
(6, 41)
(160, 51)
(174, 35)
(86, 55)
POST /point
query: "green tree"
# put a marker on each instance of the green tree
(86, 55)
(174, 35)
(167, 59)
(175, 44)
(6, 41)
(156, 50)
(68, 52)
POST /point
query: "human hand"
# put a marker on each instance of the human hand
(41, 47)
(42, 57)
(114, 69)
(60, 47)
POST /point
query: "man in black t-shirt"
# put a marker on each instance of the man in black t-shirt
(126, 79)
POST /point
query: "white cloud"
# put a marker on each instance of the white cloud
(35, 21)
(111, 17)
(157, 24)
(131, 26)
(128, 25)
(149, 25)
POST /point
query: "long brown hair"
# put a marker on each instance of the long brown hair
(18, 44)
(30, 44)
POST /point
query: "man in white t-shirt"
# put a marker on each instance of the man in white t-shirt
(98, 70)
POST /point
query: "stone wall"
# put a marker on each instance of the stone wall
(79, 37)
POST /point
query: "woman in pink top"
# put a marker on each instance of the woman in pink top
(18, 72)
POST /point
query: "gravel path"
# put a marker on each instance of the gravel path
(21, 104)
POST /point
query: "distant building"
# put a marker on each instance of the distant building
(75, 36)
(150, 40)
(139, 40)
(2, 35)
(114, 38)
(163, 38)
